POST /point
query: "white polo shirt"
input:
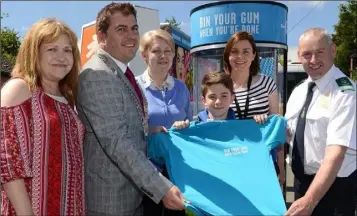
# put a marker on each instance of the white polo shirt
(330, 120)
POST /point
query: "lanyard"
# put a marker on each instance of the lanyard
(246, 101)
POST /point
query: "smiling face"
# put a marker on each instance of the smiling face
(217, 100)
(56, 59)
(159, 56)
(180, 61)
(241, 56)
(316, 55)
(122, 38)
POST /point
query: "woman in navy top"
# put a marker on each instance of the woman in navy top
(168, 98)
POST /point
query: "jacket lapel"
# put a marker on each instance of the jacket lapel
(116, 69)
(128, 86)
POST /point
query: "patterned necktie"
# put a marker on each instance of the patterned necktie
(133, 82)
(297, 165)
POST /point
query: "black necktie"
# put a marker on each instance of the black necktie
(297, 164)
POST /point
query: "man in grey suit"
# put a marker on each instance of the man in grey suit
(114, 111)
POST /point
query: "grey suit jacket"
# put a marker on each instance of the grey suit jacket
(117, 171)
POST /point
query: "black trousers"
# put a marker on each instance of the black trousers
(153, 209)
(340, 199)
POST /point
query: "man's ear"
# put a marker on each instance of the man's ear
(333, 49)
(298, 55)
(101, 36)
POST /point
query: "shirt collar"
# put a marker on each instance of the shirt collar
(323, 81)
(120, 64)
(231, 115)
(148, 82)
(203, 116)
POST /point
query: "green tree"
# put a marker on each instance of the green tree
(172, 22)
(10, 44)
(345, 35)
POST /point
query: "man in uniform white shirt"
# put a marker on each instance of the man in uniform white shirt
(321, 114)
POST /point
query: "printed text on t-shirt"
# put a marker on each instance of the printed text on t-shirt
(236, 151)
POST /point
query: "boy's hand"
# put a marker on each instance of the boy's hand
(181, 124)
(260, 119)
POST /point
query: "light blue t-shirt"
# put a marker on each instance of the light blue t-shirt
(224, 167)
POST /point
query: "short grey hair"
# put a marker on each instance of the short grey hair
(318, 31)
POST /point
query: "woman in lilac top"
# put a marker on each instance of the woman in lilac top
(168, 98)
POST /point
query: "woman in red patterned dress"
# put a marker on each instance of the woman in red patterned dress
(41, 136)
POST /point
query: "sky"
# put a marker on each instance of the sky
(22, 14)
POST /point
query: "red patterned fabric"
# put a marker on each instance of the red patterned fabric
(41, 142)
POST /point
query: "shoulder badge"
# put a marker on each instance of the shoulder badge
(345, 84)
(299, 83)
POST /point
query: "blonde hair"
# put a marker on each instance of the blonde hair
(27, 64)
(148, 37)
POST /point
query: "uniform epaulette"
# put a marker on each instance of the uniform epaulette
(345, 84)
(301, 82)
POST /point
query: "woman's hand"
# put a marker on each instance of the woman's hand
(181, 124)
(260, 119)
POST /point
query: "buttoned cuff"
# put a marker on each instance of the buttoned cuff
(162, 189)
